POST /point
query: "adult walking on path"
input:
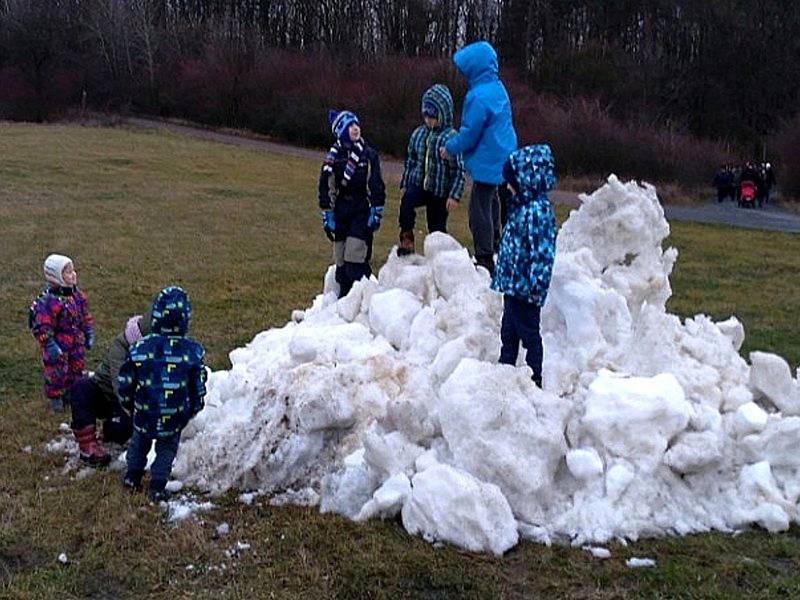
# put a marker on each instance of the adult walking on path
(486, 139)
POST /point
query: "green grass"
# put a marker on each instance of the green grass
(137, 210)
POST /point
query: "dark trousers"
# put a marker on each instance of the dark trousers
(484, 218)
(166, 450)
(90, 403)
(521, 324)
(435, 209)
(352, 245)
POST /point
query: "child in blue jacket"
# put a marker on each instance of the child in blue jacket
(527, 252)
(163, 380)
(486, 138)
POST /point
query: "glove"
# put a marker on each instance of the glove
(328, 223)
(89, 338)
(374, 219)
(53, 349)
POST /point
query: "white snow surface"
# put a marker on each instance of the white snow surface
(390, 401)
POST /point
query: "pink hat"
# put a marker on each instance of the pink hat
(132, 332)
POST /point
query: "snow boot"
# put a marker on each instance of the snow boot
(487, 262)
(406, 246)
(132, 480)
(92, 451)
(158, 491)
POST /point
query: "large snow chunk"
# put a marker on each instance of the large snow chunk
(451, 505)
(584, 463)
(453, 269)
(391, 314)
(635, 417)
(501, 428)
(770, 375)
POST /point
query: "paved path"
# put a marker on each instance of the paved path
(726, 213)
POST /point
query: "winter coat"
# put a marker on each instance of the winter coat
(366, 186)
(528, 247)
(163, 377)
(487, 135)
(424, 167)
(62, 313)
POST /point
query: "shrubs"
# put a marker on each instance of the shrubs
(786, 145)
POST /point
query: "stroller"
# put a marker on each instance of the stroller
(747, 197)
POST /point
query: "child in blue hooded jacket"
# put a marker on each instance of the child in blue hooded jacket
(428, 179)
(163, 380)
(486, 138)
(527, 253)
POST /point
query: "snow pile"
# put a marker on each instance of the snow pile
(390, 402)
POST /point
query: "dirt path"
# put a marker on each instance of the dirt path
(770, 218)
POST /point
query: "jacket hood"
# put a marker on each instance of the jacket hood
(534, 169)
(477, 62)
(439, 94)
(172, 311)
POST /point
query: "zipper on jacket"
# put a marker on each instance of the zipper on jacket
(426, 170)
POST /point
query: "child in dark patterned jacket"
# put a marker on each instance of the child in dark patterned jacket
(428, 179)
(527, 253)
(163, 381)
(60, 321)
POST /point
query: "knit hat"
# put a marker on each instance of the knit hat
(340, 123)
(509, 175)
(54, 266)
(133, 333)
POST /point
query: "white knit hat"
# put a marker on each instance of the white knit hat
(54, 267)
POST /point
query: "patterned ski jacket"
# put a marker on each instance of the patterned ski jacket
(424, 168)
(164, 378)
(61, 313)
(528, 247)
(366, 185)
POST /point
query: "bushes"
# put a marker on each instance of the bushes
(786, 145)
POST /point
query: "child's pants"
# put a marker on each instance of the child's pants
(435, 209)
(90, 403)
(352, 245)
(166, 450)
(521, 324)
(484, 218)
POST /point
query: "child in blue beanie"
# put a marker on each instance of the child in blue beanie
(351, 198)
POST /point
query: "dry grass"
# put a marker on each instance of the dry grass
(240, 230)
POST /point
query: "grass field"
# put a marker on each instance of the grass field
(239, 229)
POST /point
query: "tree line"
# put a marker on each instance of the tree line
(717, 69)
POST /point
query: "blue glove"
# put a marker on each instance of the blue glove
(374, 219)
(53, 349)
(89, 338)
(328, 223)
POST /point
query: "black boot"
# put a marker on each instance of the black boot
(158, 491)
(132, 480)
(487, 262)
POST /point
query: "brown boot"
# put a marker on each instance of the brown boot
(406, 246)
(92, 451)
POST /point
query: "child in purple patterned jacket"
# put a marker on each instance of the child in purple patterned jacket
(62, 324)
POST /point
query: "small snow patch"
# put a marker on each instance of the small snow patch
(636, 563)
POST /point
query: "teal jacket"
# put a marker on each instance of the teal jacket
(487, 136)
(424, 168)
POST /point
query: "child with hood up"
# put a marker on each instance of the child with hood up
(527, 253)
(428, 179)
(351, 198)
(60, 321)
(163, 380)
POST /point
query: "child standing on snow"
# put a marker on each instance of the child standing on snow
(62, 324)
(428, 179)
(527, 252)
(163, 381)
(351, 197)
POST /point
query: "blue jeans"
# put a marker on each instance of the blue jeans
(166, 449)
(521, 324)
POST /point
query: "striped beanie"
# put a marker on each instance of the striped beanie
(340, 123)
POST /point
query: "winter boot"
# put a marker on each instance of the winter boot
(92, 451)
(132, 480)
(158, 491)
(487, 262)
(406, 246)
